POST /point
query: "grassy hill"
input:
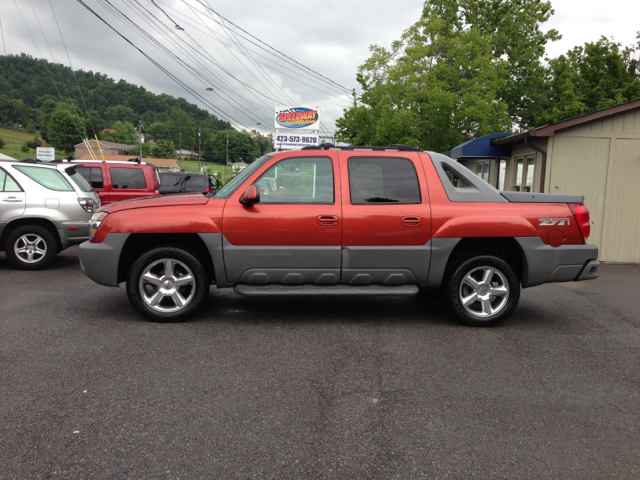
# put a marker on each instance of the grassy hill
(15, 138)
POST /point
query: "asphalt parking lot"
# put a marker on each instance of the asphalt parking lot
(329, 387)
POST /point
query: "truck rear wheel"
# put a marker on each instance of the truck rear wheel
(167, 284)
(482, 291)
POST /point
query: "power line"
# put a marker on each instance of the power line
(48, 71)
(72, 71)
(3, 44)
(203, 80)
(203, 52)
(310, 77)
(145, 34)
(161, 68)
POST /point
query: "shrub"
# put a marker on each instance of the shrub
(24, 148)
(2, 143)
(34, 143)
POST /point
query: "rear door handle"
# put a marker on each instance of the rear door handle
(411, 221)
(12, 200)
(328, 220)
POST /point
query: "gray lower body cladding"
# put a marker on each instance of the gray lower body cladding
(99, 261)
(566, 263)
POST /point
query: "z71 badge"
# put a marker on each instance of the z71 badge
(547, 222)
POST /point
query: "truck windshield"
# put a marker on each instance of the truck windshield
(235, 182)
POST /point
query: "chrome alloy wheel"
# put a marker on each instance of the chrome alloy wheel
(484, 291)
(167, 285)
(30, 248)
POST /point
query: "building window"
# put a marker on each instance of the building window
(482, 170)
(524, 171)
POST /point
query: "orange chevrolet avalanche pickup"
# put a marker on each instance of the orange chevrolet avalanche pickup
(343, 220)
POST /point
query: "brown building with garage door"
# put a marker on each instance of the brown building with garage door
(596, 155)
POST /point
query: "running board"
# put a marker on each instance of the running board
(264, 290)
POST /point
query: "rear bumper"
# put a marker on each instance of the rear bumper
(72, 232)
(547, 264)
(99, 261)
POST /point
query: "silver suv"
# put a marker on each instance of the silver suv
(44, 208)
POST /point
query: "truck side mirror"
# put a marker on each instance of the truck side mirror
(251, 196)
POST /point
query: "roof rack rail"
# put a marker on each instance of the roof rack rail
(402, 148)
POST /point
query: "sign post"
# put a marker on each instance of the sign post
(46, 154)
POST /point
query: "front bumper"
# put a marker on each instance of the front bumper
(99, 261)
(566, 263)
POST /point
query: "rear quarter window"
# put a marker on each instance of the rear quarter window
(7, 183)
(128, 178)
(93, 175)
(47, 177)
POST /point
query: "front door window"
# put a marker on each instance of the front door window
(304, 180)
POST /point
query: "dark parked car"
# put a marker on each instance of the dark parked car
(187, 182)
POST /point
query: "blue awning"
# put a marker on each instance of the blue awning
(481, 147)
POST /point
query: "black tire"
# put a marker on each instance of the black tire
(142, 292)
(30, 240)
(491, 305)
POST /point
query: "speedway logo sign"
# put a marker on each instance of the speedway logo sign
(297, 117)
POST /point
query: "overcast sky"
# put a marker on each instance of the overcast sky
(330, 37)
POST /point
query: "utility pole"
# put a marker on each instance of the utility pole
(180, 145)
(140, 137)
(227, 162)
(199, 151)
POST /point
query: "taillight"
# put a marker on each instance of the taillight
(88, 204)
(208, 190)
(582, 217)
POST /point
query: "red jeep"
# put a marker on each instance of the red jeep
(355, 220)
(115, 181)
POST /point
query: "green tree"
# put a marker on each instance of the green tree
(242, 147)
(125, 132)
(598, 75)
(466, 68)
(436, 88)
(164, 149)
(147, 151)
(181, 125)
(65, 129)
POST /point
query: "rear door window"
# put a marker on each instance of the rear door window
(168, 179)
(197, 181)
(127, 178)
(93, 175)
(47, 177)
(383, 180)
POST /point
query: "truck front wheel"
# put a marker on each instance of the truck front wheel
(167, 284)
(482, 291)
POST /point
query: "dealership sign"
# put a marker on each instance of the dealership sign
(46, 154)
(297, 117)
(326, 138)
(288, 141)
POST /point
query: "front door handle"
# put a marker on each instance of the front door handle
(12, 200)
(411, 221)
(328, 220)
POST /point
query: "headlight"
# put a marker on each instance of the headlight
(95, 222)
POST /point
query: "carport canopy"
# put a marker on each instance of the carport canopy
(481, 148)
